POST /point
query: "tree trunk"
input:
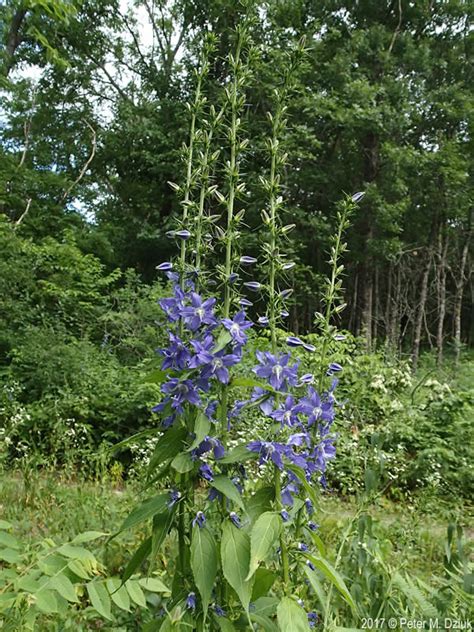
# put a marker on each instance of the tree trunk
(442, 256)
(459, 284)
(421, 311)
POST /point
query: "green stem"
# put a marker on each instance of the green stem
(284, 550)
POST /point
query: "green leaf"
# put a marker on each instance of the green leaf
(153, 584)
(224, 624)
(260, 502)
(136, 593)
(88, 536)
(145, 511)
(156, 377)
(227, 487)
(249, 382)
(168, 446)
(8, 540)
(222, 341)
(118, 593)
(10, 556)
(333, 576)
(264, 580)
(265, 606)
(76, 552)
(99, 598)
(235, 556)
(204, 563)
(291, 616)
(78, 569)
(46, 601)
(202, 426)
(182, 463)
(264, 534)
(238, 455)
(64, 586)
(317, 587)
(264, 622)
(4, 524)
(161, 526)
(140, 554)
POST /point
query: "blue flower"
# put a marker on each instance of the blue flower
(312, 618)
(219, 611)
(206, 472)
(264, 399)
(323, 453)
(180, 392)
(276, 370)
(199, 520)
(175, 495)
(268, 451)
(243, 302)
(247, 261)
(285, 516)
(315, 408)
(255, 286)
(235, 519)
(176, 355)
(199, 312)
(165, 266)
(334, 367)
(293, 341)
(191, 601)
(210, 443)
(181, 234)
(302, 547)
(309, 506)
(237, 326)
(173, 305)
(286, 414)
(312, 526)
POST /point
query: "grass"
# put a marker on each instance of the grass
(51, 505)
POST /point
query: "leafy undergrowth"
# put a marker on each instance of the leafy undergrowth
(48, 510)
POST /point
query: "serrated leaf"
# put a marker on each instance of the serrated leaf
(99, 598)
(264, 580)
(291, 616)
(161, 526)
(224, 485)
(168, 446)
(204, 563)
(265, 606)
(235, 557)
(136, 593)
(202, 426)
(146, 510)
(260, 502)
(118, 593)
(264, 535)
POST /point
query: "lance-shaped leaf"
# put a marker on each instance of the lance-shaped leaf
(224, 485)
(202, 426)
(334, 577)
(291, 616)
(264, 535)
(100, 598)
(146, 510)
(204, 563)
(235, 557)
(168, 446)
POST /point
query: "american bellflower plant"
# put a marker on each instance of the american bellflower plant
(241, 517)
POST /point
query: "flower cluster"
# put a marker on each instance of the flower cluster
(201, 349)
(304, 439)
